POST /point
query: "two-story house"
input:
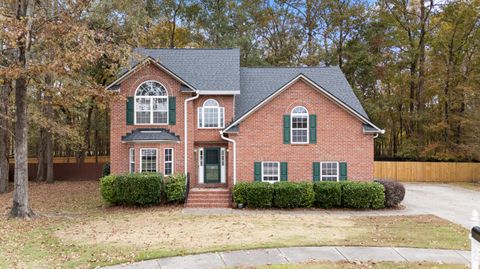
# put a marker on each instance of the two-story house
(197, 111)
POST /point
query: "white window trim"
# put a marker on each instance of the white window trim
(135, 97)
(156, 159)
(338, 170)
(165, 162)
(201, 112)
(291, 127)
(131, 153)
(278, 174)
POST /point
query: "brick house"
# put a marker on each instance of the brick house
(197, 111)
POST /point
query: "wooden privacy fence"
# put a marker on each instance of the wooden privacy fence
(428, 171)
(88, 159)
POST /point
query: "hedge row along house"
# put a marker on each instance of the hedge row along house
(197, 111)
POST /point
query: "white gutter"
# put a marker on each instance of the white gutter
(185, 124)
(234, 156)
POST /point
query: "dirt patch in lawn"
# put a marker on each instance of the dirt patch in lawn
(157, 229)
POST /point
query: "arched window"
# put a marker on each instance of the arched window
(151, 103)
(299, 125)
(211, 115)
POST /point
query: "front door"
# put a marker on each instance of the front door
(212, 165)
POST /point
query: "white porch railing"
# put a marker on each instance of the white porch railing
(475, 242)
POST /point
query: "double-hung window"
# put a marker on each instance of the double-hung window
(168, 162)
(132, 160)
(211, 115)
(151, 104)
(299, 118)
(270, 171)
(148, 160)
(329, 171)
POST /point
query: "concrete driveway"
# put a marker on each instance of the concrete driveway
(446, 201)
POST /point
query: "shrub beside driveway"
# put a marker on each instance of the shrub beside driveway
(78, 230)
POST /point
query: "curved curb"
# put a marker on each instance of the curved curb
(293, 255)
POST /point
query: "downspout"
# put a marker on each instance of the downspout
(185, 134)
(234, 156)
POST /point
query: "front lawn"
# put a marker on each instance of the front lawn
(77, 229)
(474, 186)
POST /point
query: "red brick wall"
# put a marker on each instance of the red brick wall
(118, 127)
(339, 137)
(213, 135)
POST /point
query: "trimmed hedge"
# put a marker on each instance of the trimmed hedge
(363, 195)
(240, 193)
(175, 188)
(328, 194)
(132, 189)
(260, 195)
(394, 192)
(293, 195)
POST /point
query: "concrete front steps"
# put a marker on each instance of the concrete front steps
(209, 198)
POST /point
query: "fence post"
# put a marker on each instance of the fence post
(475, 245)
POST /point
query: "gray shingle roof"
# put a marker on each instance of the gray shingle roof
(258, 83)
(150, 134)
(204, 69)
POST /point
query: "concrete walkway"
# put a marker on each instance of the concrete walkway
(295, 255)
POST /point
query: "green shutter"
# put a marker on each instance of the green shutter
(257, 171)
(316, 171)
(286, 129)
(313, 129)
(283, 171)
(343, 171)
(172, 110)
(130, 112)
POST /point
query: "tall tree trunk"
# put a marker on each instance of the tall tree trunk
(4, 166)
(41, 155)
(21, 207)
(48, 141)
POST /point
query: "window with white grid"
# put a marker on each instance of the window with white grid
(148, 160)
(299, 118)
(329, 171)
(168, 161)
(270, 171)
(132, 160)
(151, 104)
(211, 115)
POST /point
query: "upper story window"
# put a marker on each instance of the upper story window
(299, 124)
(211, 115)
(151, 103)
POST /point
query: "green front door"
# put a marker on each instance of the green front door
(212, 165)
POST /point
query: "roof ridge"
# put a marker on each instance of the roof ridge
(232, 48)
(287, 67)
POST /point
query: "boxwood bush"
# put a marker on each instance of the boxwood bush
(363, 195)
(240, 193)
(292, 195)
(328, 194)
(175, 188)
(132, 189)
(394, 192)
(260, 195)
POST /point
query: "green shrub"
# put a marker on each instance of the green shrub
(108, 189)
(363, 195)
(105, 169)
(292, 195)
(132, 189)
(240, 193)
(175, 188)
(259, 194)
(328, 194)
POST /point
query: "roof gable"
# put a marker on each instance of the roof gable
(261, 102)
